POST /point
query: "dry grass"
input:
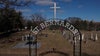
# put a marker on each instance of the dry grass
(57, 41)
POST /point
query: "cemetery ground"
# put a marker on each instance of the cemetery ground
(50, 41)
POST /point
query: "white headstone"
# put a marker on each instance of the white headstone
(76, 39)
(82, 36)
(96, 37)
(25, 27)
(91, 36)
(79, 37)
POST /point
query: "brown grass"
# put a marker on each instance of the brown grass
(57, 41)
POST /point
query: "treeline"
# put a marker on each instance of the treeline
(10, 19)
(84, 24)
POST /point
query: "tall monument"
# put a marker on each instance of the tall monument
(55, 9)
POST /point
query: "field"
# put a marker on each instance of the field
(50, 41)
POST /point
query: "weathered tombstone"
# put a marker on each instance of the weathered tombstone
(25, 27)
(92, 36)
(64, 33)
(75, 40)
(96, 37)
(23, 38)
(82, 36)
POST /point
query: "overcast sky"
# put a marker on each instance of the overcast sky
(85, 9)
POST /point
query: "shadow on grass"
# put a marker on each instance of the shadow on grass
(86, 54)
(48, 52)
(13, 55)
(6, 34)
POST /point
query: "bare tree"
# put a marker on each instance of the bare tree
(12, 3)
(37, 17)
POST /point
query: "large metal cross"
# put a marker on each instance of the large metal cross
(55, 9)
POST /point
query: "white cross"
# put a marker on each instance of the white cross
(55, 8)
